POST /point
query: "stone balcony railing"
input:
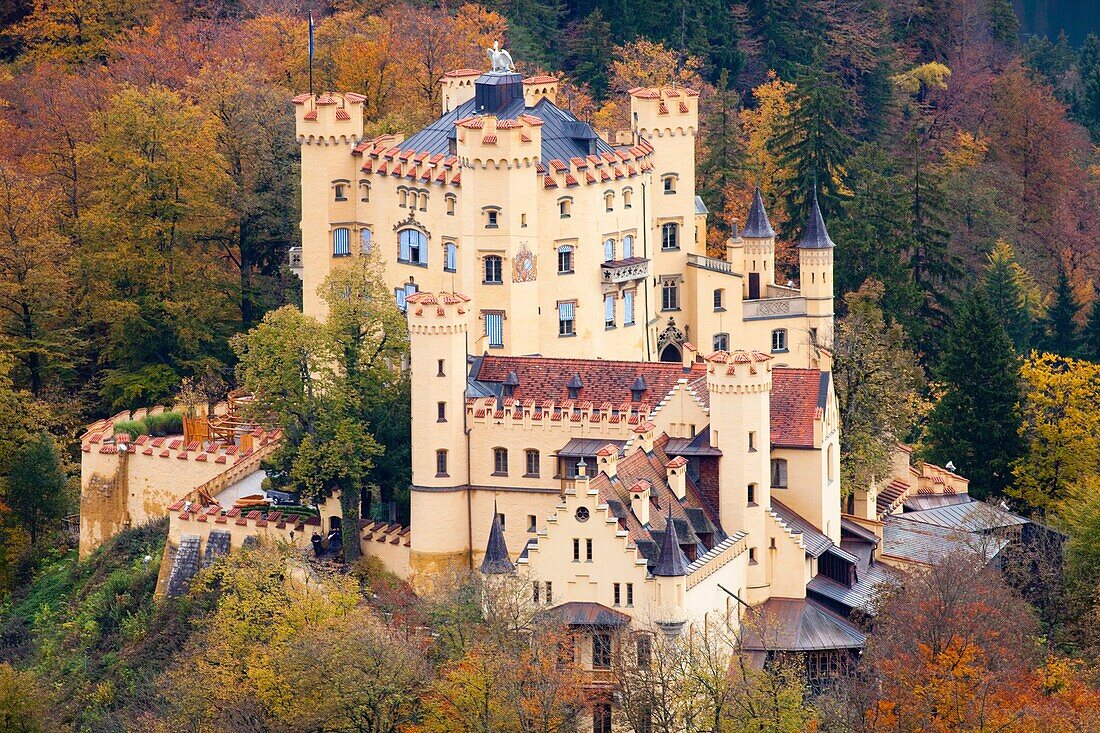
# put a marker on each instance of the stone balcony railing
(774, 308)
(713, 264)
(621, 271)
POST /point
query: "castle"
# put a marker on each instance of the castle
(568, 432)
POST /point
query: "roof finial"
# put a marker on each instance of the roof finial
(500, 59)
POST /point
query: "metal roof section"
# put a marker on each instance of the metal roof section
(496, 561)
(700, 207)
(756, 223)
(586, 613)
(672, 562)
(697, 446)
(586, 447)
(972, 516)
(925, 543)
(919, 502)
(815, 236)
(799, 625)
(861, 595)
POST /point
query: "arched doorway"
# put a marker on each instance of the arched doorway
(669, 343)
(672, 353)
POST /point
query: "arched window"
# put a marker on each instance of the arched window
(413, 196)
(608, 250)
(340, 188)
(533, 463)
(669, 183)
(628, 197)
(451, 200)
(609, 201)
(441, 463)
(493, 269)
(670, 235)
(628, 246)
(402, 198)
(414, 247)
(719, 299)
(779, 339)
(364, 190)
(565, 259)
(366, 241)
(565, 208)
(450, 256)
(341, 242)
(779, 473)
(500, 461)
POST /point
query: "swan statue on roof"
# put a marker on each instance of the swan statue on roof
(500, 59)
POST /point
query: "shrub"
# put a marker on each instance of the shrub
(133, 428)
(165, 423)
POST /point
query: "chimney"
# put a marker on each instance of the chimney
(639, 501)
(689, 354)
(676, 471)
(643, 436)
(607, 460)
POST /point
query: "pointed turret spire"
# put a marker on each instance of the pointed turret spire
(757, 224)
(496, 561)
(672, 562)
(815, 236)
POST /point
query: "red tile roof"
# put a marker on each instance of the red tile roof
(604, 381)
(796, 394)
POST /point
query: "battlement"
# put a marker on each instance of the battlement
(329, 119)
(739, 371)
(537, 88)
(437, 313)
(624, 163)
(486, 140)
(664, 111)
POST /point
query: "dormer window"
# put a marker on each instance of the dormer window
(510, 383)
(638, 389)
(575, 385)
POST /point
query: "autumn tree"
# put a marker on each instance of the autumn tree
(877, 379)
(1060, 429)
(975, 422)
(78, 30)
(22, 704)
(1090, 336)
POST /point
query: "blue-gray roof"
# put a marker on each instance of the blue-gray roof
(862, 593)
(971, 516)
(700, 207)
(496, 561)
(926, 543)
(815, 236)
(756, 223)
(563, 135)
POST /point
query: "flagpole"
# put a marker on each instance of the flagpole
(311, 54)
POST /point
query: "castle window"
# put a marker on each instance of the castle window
(608, 250)
(719, 299)
(341, 190)
(402, 198)
(366, 239)
(413, 195)
(565, 208)
(450, 256)
(402, 293)
(501, 518)
(494, 329)
(493, 269)
(492, 217)
(441, 412)
(439, 368)
(751, 494)
(628, 196)
(523, 221)
(601, 654)
(752, 556)
(441, 463)
(630, 594)
(721, 342)
(609, 311)
(565, 260)
(615, 594)
(779, 339)
(670, 236)
(533, 463)
(549, 593)
(341, 242)
(779, 473)
(413, 247)
(532, 523)
(576, 550)
(643, 645)
(609, 201)
(670, 294)
(628, 307)
(588, 550)
(601, 715)
(566, 318)
(535, 588)
(669, 183)
(364, 191)
(752, 441)
(423, 201)
(628, 246)
(500, 461)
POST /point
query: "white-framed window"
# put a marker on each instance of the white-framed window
(670, 294)
(494, 329)
(779, 473)
(341, 242)
(628, 246)
(609, 311)
(721, 342)
(493, 267)
(670, 235)
(366, 241)
(413, 247)
(565, 259)
(779, 339)
(608, 250)
(567, 314)
(402, 293)
(628, 307)
(450, 256)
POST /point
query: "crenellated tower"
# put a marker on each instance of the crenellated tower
(438, 333)
(328, 128)
(740, 385)
(457, 87)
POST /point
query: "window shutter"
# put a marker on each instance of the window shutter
(494, 328)
(340, 242)
(628, 307)
(566, 311)
(628, 247)
(405, 241)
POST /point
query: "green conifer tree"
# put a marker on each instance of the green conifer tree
(1091, 336)
(976, 421)
(588, 47)
(1088, 106)
(35, 488)
(1061, 329)
(1005, 291)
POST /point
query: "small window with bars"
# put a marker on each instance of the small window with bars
(494, 329)
(341, 242)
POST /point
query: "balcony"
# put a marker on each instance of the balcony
(294, 261)
(713, 264)
(774, 308)
(621, 271)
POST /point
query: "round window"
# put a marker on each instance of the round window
(582, 514)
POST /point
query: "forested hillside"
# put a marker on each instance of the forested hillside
(149, 194)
